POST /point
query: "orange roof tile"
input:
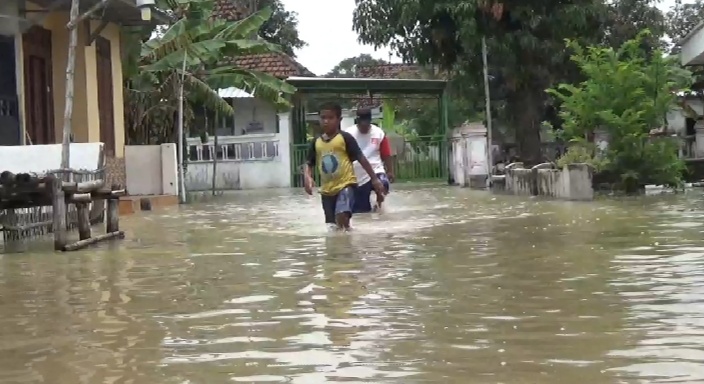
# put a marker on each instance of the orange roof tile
(388, 71)
(383, 71)
(233, 10)
(279, 65)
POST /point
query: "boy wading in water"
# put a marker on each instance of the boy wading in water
(333, 153)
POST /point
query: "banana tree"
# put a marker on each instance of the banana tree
(191, 60)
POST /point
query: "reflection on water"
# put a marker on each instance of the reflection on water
(446, 286)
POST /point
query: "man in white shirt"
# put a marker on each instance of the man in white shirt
(376, 148)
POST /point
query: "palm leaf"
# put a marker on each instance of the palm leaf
(247, 27)
(200, 91)
(202, 52)
(242, 47)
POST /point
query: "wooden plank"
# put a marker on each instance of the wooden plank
(58, 214)
(93, 240)
(37, 202)
(83, 187)
(83, 221)
(79, 198)
(112, 216)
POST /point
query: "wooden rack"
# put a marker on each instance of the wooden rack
(27, 191)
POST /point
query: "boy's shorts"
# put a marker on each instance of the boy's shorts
(363, 193)
(342, 202)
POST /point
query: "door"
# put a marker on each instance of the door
(9, 111)
(39, 105)
(105, 95)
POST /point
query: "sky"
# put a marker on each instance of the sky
(331, 39)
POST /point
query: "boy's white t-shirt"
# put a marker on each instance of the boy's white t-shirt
(370, 144)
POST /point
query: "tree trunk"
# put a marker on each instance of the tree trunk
(215, 154)
(70, 74)
(528, 112)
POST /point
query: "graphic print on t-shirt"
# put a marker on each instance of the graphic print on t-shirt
(329, 164)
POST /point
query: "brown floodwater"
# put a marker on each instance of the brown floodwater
(446, 286)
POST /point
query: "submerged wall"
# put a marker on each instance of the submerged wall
(573, 182)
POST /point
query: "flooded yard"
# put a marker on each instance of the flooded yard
(446, 286)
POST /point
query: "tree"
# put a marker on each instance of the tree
(646, 86)
(525, 42)
(627, 18)
(681, 19)
(281, 28)
(348, 66)
(199, 43)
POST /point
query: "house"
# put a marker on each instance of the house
(692, 46)
(253, 115)
(34, 43)
(253, 146)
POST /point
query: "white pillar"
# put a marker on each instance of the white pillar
(699, 139)
(285, 145)
(169, 169)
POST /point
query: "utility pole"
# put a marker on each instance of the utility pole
(487, 100)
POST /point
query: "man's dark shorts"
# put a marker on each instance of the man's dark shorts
(363, 193)
(342, 202)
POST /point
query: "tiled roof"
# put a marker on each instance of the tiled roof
(233, 10)
(279, 65)
(389, 71)
(275, 64)
(383, 71)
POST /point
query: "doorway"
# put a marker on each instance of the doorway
(39, 103)
(105, 95)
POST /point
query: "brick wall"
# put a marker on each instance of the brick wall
(115, 171)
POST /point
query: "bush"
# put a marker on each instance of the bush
(583, 153)
(627, 93)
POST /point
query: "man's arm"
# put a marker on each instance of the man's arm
(386, 155)
(355, 154)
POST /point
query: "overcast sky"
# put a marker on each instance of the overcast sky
(328, 31)
(331, 39)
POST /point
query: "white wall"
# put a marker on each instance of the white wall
(252, 161)
(248, 110)
(42, 158)
(676, 118)
(693, 46)
(151, 169)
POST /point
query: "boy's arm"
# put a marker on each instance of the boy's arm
(310, 161)
(355, 154)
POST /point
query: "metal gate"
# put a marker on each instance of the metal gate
(417, 159)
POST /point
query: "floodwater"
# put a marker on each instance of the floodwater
(446, 286)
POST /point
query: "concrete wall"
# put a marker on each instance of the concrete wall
(693, 46)
(85, 118)
(151, 169)
(251, 161)
(573, 182)
(42, 158)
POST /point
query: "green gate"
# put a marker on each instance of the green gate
(423, 158)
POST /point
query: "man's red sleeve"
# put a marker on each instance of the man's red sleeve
(385, 148)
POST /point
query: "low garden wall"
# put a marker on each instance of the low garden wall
(573, 182)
